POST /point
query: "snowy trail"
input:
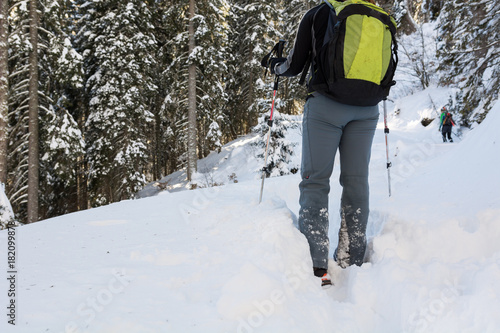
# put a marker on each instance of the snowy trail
(212, 260)
(207, 263)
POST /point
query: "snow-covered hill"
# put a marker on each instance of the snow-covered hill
(214, 260)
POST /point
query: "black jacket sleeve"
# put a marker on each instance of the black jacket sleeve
(302, 48)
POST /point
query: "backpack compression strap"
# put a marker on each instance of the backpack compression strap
(360, 9)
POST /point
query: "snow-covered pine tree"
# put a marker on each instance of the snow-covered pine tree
(210, 58)
(118, 45)
(469, 51)
(173, 59)
(4, 88)
(56, 72)
(163, 32)
(253, 34)
(214, 135)
(17, 153)
(410, 13)
(428, 10)
(281, 150)
(61, 81)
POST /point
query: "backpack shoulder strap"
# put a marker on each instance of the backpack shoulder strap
(328, 4)
(312, 55)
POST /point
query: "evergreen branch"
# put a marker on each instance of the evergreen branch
(49, 33)
(14, 200)
(44, 108)
(20, 85)
(42, 94)
(22, 178)
(18, 109)
(23, 69)
(19, 144)
(475, 50)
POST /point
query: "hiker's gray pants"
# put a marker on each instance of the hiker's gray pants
(328, 126)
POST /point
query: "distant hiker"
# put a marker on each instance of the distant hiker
(441, 117)
(446, 125)
(444, 111)
(340, 112)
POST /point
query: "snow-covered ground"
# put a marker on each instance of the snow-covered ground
(214, 260)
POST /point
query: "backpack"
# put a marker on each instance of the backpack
(359, 54)
(448, 120)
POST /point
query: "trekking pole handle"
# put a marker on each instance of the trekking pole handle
(281, 46)
(277, 50)
(279, 53)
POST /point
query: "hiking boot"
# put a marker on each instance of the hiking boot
(326, 281)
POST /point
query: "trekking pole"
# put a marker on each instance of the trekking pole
(278, 49)
(434, 105)
(389, 164)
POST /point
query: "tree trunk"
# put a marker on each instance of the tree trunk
(81, 166)
(252, 117)
(4, 86)
(81, 183)
(33, 117)
(191, 145)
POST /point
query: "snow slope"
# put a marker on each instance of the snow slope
(213, 260)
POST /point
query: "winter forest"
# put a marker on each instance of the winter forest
(100, 97)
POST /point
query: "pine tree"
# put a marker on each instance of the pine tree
(58, 72)
(211, 63)
(19, 69)
(158, 147)
(4, 90)
(118, 45)
(470, 51)
(61, 81)
(280, 150)
(208, 59)
(409, 14)
(252, 35)
(172, 115)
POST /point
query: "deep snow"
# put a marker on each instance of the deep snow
(213, 260)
